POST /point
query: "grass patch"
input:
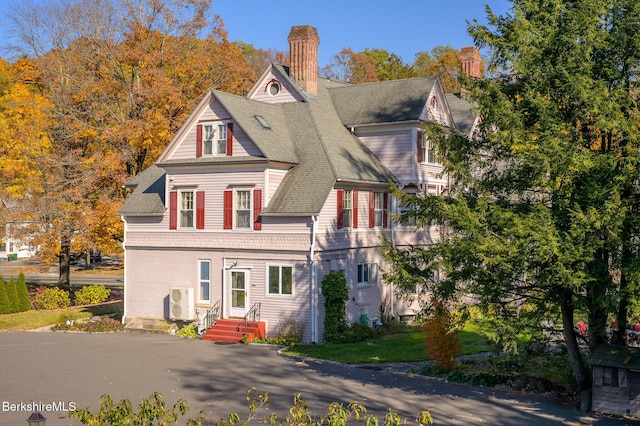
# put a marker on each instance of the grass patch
(405, 346)
(30, 320)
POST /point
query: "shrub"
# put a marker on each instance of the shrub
(51, 298)
(92, 295)
(24, 303)
(336, 294)
(104, 324)
(4, 298)
(154, 410)
(289, 332)
(188, 331)
(12, 293)
(358, 332)
(440, 337)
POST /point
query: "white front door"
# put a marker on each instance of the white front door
(239, 293)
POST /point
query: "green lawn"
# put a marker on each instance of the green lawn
(35, 319)
(406, 346)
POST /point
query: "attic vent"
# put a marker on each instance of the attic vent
(262, 122)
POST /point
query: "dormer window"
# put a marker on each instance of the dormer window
(214, 139)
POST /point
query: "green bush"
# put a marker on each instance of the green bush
(188, 331)
(5, 308)
(51, 298)
(336, 294)
(24, 303)
(12, 293)
(91, 295)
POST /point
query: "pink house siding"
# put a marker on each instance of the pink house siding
(260, 92)
(394, 148)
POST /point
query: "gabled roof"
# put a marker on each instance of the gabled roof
(147, 198)
(382, 102)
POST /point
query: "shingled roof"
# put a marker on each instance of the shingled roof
(147, 198)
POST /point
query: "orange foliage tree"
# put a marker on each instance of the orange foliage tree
(121, 77)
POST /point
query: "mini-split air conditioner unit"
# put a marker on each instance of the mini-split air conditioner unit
(181, 304)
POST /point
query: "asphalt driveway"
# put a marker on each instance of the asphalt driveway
(67, 369)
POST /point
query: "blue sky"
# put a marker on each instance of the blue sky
(403, 27)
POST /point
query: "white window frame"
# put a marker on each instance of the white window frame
(429, 154)
(214, 139)
(204, 282)
(378, 209)
(280, 284)
(367, 274)
(236, 210)
(347, 208)
(187, 209)
(221, 148)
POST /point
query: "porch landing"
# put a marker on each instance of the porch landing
(230, 330)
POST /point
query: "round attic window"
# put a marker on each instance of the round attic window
(274, 88)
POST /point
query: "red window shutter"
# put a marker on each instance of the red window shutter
(199, 141)
(385, 208)
(228, 209)
(372, 209)
(354, 202)
(173, 210)
(420, 147)
(339, 217)
(200, 210)
(257, 208)
(229, 139)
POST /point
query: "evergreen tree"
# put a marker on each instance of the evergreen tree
(24, 303)
(4, 298)
(12, 293)
(542, 218)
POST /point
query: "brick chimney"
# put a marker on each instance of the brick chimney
(470, 58)
(303, 55)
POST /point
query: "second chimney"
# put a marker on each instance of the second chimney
(470, 58)
(303, 53)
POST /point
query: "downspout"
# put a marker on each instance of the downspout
(124, 278)
(224, 286)
(314, 285)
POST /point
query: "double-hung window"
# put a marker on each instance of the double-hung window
(214, 139)
(407, 214)
(187, 209)
(427, 152)
(367, 274)
(280, 280)
(204, 282)
(347, 216)
(207, 139)
(242, 208)
(222, 139)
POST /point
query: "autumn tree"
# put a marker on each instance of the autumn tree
(121, 77)
(259, 59)
(351, 67)
(541, 223)
(442, 61)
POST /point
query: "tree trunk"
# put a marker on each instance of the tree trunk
(620, 336)
(580, 372)
(64, 258)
